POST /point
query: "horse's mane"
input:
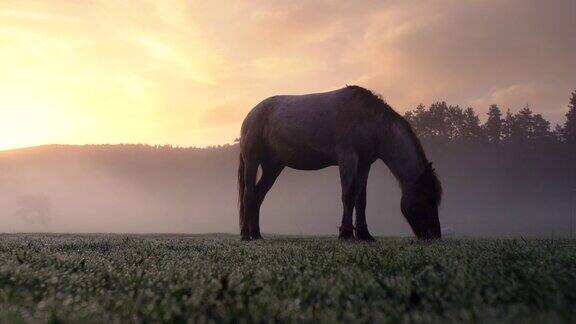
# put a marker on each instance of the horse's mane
(369, 93)
(430, 183)
(372, 100)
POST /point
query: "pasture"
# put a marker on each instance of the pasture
(218, 278)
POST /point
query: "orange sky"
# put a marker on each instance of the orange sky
(186, 72)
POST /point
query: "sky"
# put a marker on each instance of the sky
(186, 72)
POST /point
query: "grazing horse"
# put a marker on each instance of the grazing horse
(351, 128)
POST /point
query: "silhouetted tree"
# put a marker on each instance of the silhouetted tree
(446, 124)
(569, 129)
(35, 209)
(540, 132)
(456, 121)
(558, 133)
(493, 126)
(523, 126)
(437, 120)
(417, 119)
(508, 126)
(470, 130)
(440, 121)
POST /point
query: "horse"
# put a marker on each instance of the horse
(350, 127)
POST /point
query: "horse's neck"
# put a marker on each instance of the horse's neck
(403, 153)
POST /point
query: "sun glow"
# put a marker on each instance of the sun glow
(115, 75)
(22, 129)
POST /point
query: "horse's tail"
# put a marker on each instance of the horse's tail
(241, 192)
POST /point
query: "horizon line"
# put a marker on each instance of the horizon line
(28, 147)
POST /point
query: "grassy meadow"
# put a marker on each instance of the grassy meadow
(217, 278)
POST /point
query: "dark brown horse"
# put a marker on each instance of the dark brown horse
(349, 127)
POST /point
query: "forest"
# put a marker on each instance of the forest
(442, 124)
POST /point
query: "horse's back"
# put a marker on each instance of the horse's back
(305, 131)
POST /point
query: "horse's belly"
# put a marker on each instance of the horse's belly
(308, 165)
(303, 158)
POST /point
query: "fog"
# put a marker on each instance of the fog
(144, 189)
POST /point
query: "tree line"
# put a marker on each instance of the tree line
(445, 123)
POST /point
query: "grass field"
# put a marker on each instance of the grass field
(217, 278)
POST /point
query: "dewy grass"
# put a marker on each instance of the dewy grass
(217, 278)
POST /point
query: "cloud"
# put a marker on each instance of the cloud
(459, 51)
(548, 98)
(411, 52)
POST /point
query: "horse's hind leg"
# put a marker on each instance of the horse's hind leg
(360, 205)
(270, 172)
(249, 198)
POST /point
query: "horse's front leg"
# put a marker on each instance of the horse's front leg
(360, 205)
(348, 165)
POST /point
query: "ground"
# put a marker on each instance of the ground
(218, 278)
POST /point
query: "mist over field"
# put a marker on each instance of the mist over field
(143, 189)
(188, 72)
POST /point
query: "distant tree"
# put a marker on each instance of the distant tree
(523, 126)
(455, 123)
(508, 126)
(446, 124)
(569, 129)
(558, 133)
(35, 209)
(417, 119)
(436, 119)
(493, 126)
(540, 132)
(439, 121)
(470, 130)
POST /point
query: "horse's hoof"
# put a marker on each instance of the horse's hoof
(346, 236)
(346, 233)
(365, 236)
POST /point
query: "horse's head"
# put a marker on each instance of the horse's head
(420, 202)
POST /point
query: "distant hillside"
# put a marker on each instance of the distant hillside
(139, 188)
